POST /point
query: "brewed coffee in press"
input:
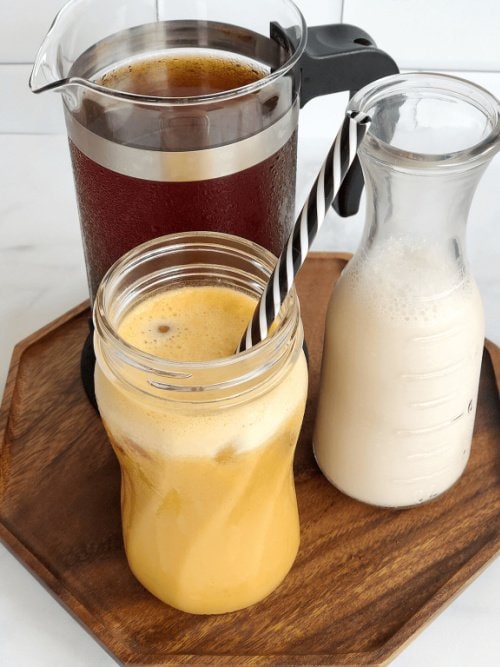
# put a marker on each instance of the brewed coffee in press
(243, 202)
(185, 118)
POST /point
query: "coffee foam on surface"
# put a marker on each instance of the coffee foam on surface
(188, 324)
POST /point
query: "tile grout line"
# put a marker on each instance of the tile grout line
(450, 69)
(447, 68)
(7, 133)
(342, 2)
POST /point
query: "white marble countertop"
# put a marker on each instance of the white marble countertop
(42, 276)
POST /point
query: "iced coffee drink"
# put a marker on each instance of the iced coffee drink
(205, 438)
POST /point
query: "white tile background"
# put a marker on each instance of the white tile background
(433, 34)
(459, 35)
(451, 35)
(436, 34)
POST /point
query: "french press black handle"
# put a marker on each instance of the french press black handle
(342, 57)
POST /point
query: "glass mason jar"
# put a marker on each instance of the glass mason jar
(209, 512)
(404, 331)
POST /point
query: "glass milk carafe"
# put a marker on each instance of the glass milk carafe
(183, 115)
(405, 326)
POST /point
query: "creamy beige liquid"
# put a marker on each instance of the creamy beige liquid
(399, 379)
(209, 512)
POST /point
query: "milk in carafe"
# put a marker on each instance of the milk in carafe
(401, 364)
(405, 326)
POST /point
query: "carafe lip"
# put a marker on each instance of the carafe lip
(449, 86)
(65, 82)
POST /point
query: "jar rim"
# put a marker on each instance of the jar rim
(263, 355)
(451, 88)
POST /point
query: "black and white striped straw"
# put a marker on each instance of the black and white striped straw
(335, 167)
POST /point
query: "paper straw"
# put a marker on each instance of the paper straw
(335, 167)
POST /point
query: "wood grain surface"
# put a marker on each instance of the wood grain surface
(365, 580)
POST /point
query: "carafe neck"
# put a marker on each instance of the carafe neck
(430, 140)
(418, 208)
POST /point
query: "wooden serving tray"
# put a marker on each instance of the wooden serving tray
(365, 580)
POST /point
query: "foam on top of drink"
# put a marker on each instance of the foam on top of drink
(187, 324)
(408, 281)
(195, 324)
